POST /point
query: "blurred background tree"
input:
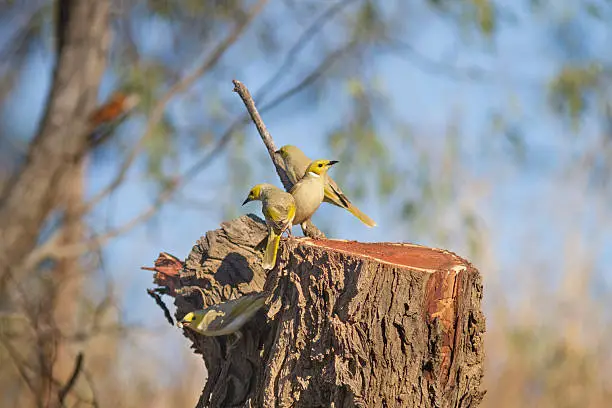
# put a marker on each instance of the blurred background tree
(480, 126)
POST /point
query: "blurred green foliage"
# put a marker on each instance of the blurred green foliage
(571, 87)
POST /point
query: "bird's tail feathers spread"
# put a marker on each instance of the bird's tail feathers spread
(271, 249)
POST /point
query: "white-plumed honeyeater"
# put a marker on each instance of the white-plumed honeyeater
(279, 209)
(309, 191)
(224, 318)
(296, 163)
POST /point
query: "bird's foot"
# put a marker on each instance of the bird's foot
(311, 231)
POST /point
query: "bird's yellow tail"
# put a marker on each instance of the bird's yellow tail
(334, 195)
(362, 217)
(271, 248)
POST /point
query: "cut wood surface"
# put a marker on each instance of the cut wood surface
(349, 324)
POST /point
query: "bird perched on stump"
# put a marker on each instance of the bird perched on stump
(296, 163)
(309, 191)
(279, 209)
(224, 318)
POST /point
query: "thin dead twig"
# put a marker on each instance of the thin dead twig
(52, 248)
(162, 305)
(246, 97)
(78, 366)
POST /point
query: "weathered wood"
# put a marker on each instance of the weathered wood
(349, 324)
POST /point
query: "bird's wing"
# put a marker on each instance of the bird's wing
(279, 216)
(290, 171)
(215, 318)
(247, 305)
(293, 177)
(335, 195)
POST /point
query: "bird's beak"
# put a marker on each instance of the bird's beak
(246, 201)
(332, 162)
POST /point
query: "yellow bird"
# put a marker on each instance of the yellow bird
(224, 318)
(279, 209)
(309, 191)
(296, 163)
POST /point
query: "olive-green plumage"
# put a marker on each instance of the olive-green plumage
(309, 191)
(296, 163)
(224, 318)
(279, 209)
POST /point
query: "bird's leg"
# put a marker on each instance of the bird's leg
(311, 231)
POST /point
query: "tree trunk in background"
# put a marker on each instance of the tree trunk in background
(68, 275)
(27, 200)
(52, 179)
(349, 324)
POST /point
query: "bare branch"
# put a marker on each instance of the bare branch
(78, 365)
(42, 251)
(245, 95)
(53, 248)
(162, 305)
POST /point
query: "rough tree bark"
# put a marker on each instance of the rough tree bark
(348, 325)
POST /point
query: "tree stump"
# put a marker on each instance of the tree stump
(349, 324)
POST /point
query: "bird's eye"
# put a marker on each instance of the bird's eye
(320, 164)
